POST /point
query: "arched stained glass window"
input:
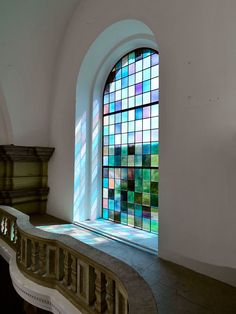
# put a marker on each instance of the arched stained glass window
(131, 141)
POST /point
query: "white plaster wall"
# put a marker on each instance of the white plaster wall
(30, 31)
(198, 129)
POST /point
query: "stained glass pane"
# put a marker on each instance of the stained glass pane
(131, 141)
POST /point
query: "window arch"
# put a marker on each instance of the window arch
(131, 141)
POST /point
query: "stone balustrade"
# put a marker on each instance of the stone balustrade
(92, 280)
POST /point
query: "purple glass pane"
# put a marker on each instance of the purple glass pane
(155, 95)
(138, 137)
(155, 59)
(131, 68)
(146, 112)
(118, 105)
(138, 89)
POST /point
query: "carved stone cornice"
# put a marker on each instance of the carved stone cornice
(25, 153)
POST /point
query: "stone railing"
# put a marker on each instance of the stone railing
(92, 280)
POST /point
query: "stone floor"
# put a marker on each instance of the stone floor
(176, 289)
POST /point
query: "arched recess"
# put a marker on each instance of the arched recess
(6, 135)
(114, 42)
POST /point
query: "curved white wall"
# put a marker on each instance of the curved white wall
(197, 159)
(30, 32)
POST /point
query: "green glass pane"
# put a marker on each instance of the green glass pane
(146, 161)
(154, 226)
(138, 197)
(146, 174)
(138, 149)
(154, 148)
(117, 185)
(124, 150)
(138, 185)
(138, 222)
(117, 161)
(154, 160)
(146, 224)
(124, 173)
(146, 186)
(154, 210)
(138, 160)
(111, 160)
(117, 193)
(155, 175)
(146, 199)
(130, 197)
(124, 207)
(154, 200)
(131, 160)
(130, 208)
(131, 220)
(123, 185)
(154, 187)
(138, 174)
(111, 150)
(124, 161)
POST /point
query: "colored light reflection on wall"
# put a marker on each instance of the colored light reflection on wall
(80, 166)
(131, 141)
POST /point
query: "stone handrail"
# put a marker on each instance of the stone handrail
(93, 281)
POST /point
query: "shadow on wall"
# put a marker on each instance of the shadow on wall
(6, 136)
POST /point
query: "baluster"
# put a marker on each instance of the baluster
(85, 282)
(23, 249)
(3, 226)
(18, 246)
(14, 232)
(100, 291)
(1, 220)
(42, 258)
(28, 253)
(110, 295)
(8, 228)
(34, 256)
(66, 268)
(73, 273)
(121, 303)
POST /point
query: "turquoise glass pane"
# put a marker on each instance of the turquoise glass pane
(131, 57)
(147, 74)
(146, 86)
(125, 71)
(124, 82)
